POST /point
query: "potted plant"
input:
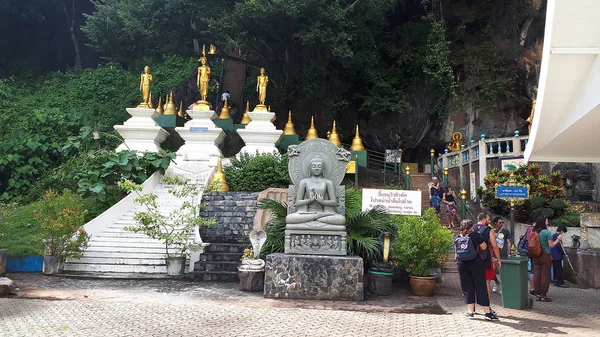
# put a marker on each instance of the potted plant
(61, 218)
(422, 244)
(173, 229)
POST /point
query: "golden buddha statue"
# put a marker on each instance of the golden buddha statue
(145, 82)
(530, 118)
(261, 87)
(456, 143)
(202, 82)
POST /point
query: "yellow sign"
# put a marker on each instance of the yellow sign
(351, 167)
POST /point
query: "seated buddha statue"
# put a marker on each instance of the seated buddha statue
(316, 202)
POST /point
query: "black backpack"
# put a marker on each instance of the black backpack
(523, 246)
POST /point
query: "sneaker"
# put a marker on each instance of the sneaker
(562, 285)
(490, 316)
(494, 288)
(469, 314)
(532, 292)
(493, 311)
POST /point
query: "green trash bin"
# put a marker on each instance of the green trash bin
(513, 277)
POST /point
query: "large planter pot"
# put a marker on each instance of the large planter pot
(422, 285)
(175, 266)
(3, 258)
(252, 280)
(52, 265)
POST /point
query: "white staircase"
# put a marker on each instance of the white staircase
(114, 251)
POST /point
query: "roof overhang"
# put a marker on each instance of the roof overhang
(566, 122)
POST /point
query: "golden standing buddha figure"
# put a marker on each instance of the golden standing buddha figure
(530, 119)
(261, 87)
(145, 82)
(202, 82)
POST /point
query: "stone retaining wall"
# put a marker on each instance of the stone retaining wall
(234, 212)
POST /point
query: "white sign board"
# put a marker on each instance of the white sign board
(473, 186)
(395, 201)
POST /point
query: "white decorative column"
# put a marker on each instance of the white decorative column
(260, 134)
(140, 132)
(201, 138)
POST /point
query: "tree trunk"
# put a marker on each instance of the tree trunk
(71, 22)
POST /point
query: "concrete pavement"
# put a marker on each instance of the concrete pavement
(50, 306)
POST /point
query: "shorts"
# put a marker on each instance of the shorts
(490, 274)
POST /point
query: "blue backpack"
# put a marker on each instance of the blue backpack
(464, 247)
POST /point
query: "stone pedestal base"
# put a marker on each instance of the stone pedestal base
(252, 280)
(315, 242)
(314, 277)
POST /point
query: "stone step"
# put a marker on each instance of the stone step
(116, 249)
(127, 244)
(217, 265)
(226, 247)
(214, 276)
(226, 239)
(115, 268)
(124, 255)
(119, 260)
(208, 256)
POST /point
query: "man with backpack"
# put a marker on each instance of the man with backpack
(483, 228)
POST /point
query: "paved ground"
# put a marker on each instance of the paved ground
(49, 306)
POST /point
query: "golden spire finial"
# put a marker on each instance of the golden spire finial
(246, 118)
(180, 113)
(269, 109)
(170, 107)
(312, 132)
(160, 108)
(289, 128)
(225, 112)
(203, 50)
(150, 105)
(218, 183)
(357, 144)
(334, 137)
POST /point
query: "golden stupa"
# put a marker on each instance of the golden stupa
(170, 107)
(289, 128)
(160, 108)
(180, 113)
(334, 137)
(357, 144)
(246, 118)
(225, 112)
(312, 132)
(150, 105)
(218, 181)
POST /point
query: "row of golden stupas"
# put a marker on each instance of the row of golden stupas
(333, 136)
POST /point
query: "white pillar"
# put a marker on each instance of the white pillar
(260, 134)
(482, 162)
(140, 132)
(201, 138)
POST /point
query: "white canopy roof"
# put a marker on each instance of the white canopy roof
(566, 123)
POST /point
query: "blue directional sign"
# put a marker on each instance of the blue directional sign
(198, 129)
(512, 192)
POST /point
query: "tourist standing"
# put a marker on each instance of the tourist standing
(483, 222)
(472, 273)
(225, 96)
(503, 241)
(435, 193)
(542, 264)
(449, 200)
(234, 112)
(558, 254)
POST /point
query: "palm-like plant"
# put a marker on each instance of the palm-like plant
(363, 228)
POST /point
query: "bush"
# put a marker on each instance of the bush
(258, 172)
(569, 219)
(22, 233)
(421, 243)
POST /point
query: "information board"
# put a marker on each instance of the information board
(399, 202)
(512, 192)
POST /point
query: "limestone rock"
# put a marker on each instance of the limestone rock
(7, 286)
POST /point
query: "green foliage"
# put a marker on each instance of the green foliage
(421, 243)
(173, 229)
(60, 218)
(569, 219)
(257, 172)
(275, 227)
(22, 233)
(546, 193)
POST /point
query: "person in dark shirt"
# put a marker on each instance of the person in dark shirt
(503, 241)
(472, 274)
(558, 254)
(483, 227)
(449, 200)
(435, 194)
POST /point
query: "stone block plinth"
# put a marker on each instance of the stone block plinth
(314, 277)
(141, 132)
(315, 242)
(201, 137)
(260, 135)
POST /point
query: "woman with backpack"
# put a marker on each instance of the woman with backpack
(540, 243)
(471, 269)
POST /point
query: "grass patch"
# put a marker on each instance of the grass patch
(22, 234)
